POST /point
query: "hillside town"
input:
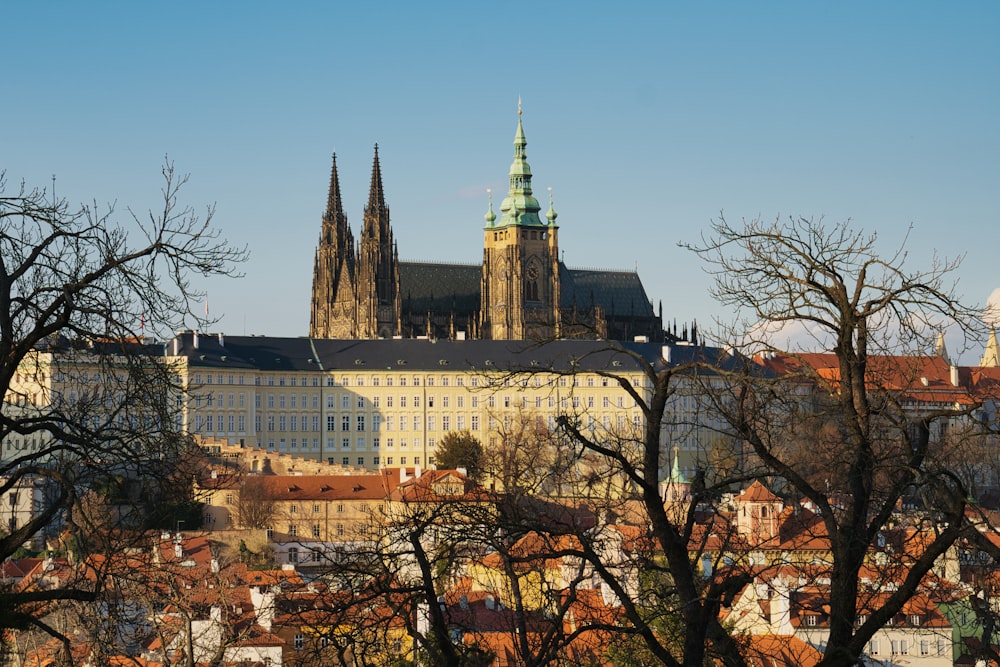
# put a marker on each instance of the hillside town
(509, 464)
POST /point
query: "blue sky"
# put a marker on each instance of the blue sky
(646, 119)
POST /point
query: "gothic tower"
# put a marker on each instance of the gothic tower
(520, 283)
(334, 303)
(378, 273)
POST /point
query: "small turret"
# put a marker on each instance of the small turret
(551, 214)
(491, 217)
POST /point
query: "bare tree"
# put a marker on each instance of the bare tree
(864, 309)
(87, 398)
(257, 508)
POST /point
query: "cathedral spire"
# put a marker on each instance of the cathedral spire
(334, 205)
(333, 272)
(519, 207)
(376, 197)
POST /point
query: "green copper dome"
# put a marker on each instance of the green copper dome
(519, 207)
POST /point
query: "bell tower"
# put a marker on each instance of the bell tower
(334, 304)
(378, 272)
(520, 283)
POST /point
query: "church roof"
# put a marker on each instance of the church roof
(441, 286)
(617, 292)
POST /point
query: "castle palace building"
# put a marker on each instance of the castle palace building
(521, 291)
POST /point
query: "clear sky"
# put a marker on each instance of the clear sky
(646, 119)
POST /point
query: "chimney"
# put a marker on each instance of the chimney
(222, 339)
(665, 353)
(194, 343)
(416, 472)
(403, 477)
(954, 375)
(781, 608)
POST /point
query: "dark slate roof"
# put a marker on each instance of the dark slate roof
(410, 354)
(440, 287)
(619, 293)
(443, 287)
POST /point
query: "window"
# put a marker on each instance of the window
(873, 647)
(361, 461)
(345, 422)
(375, 461)
(293, 509)
(361, 401)
(293, 531)
(293, 555)
(316, 509)
(361, 422)
(925, 647)
(299, 642)
(315, 530)
(331, 423)
(346, 460)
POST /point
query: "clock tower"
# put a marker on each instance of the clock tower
(520, 283)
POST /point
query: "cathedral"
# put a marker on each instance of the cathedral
(521, 291)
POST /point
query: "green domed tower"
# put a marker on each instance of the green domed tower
(520, 286)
